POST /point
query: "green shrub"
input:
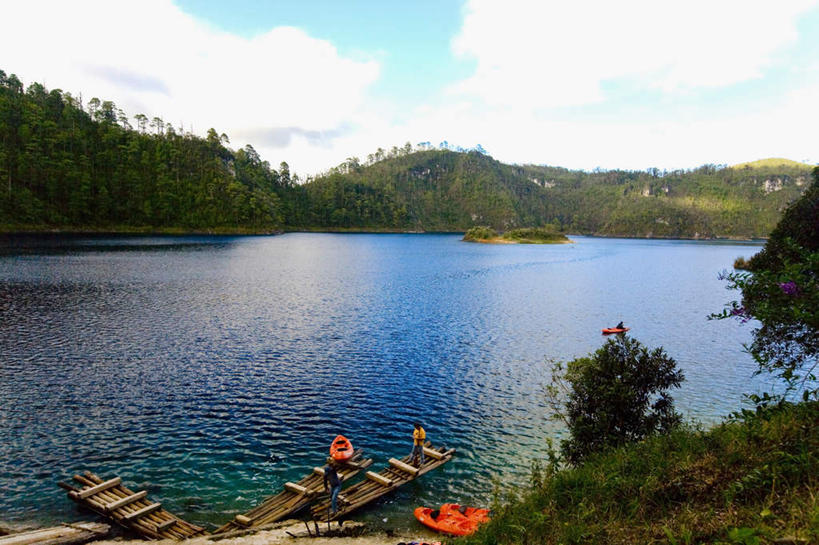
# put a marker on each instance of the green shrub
(480, 233)
(534, 235)
(615, 396)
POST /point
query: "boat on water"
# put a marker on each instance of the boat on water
(614, 330)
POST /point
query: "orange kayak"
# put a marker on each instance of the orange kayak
(453, 519)
(610, 330)
(341, 449)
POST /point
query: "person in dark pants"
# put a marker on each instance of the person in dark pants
(418, 438)
(332, 484)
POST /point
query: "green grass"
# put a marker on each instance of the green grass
(747, 481)
(773, 162)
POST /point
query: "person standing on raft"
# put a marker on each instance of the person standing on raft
(418, 438)
(332, 479)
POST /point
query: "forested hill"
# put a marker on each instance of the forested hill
(445, 190)
(66, 166)
(69, 166)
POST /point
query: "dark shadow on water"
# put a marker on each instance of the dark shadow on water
(59, 243)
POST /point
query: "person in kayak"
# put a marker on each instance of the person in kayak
(418, 438)
(332, 479)
(620, 325)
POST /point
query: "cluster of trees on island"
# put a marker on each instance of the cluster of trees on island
(69, 165)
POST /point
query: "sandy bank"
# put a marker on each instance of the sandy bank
(294, 532)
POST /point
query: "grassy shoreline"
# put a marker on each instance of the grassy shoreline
(747, 481)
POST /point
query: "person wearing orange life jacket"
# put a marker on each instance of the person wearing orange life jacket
(418, 438)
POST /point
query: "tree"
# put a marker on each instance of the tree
(142, 122)
(781, 291)
(158, 124)
(93, 107)
(284, 174)
(617, 395)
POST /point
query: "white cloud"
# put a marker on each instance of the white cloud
(150, 57)
(538, 93)
(533, 55)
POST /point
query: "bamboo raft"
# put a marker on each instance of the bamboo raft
(133, 510)
(398, 473)
(295, 496)
(65, 534)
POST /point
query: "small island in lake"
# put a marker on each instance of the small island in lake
(527, 235)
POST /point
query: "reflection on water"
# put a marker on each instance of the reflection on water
(210, 370)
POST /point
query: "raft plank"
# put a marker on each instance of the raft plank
(82, 494)
(165, 525)
(434, 453)
(379, 479)
(298, 489)
(126, 500)
(412, 470)
(142, 512)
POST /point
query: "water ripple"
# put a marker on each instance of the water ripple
(210, 370)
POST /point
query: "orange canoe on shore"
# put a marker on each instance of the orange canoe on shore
(453, 519)
(341, 449)
(611, 330)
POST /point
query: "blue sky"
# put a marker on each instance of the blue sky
(410, 39)
(630, 84)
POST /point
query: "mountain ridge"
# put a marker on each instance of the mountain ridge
(443, 190)
(71, 168)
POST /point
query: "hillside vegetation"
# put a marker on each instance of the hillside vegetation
(745, 482)
(67, 166)
(73, 166)
(441, 190)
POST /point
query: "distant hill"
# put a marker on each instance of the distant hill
(69, 166)
(773, 162)
(440, 190)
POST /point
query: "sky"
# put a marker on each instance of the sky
(632, 84)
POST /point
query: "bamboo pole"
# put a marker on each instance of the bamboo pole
(100, 499)
(121, 492)
(145, 524)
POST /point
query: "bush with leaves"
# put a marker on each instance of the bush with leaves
(615, 396)
(781, 291)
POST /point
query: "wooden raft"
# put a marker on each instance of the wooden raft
(130, 509)
(398, 473)
(295, 496)
(65, 534)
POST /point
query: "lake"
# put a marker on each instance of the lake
(210, 370)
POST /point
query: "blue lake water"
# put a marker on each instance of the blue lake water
(210, 370)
